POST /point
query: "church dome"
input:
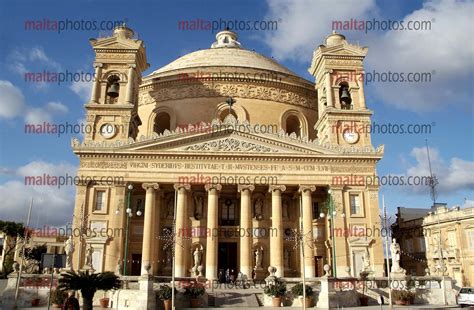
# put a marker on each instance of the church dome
(227, 52)
(200, 87)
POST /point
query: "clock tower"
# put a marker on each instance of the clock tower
(112, 110)
(343, 117)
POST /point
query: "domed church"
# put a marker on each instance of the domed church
(224, 161)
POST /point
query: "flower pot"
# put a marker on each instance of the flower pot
(307, 301)
(276, 301)
(195, 302)
(104, 302)
(167, 304)
(35, 302)
(364, 301)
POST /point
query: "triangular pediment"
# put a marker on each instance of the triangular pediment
(229, 141)
(346, 50)
(221, 138)
(116, 43)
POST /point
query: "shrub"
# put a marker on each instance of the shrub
(297, 290)
(164, 292)
(276, 290)
(195, 290)
(403, 295)
(58, 297)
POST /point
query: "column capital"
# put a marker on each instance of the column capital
(337, 187)
(98, 65)
(304, 188)
(179, 186)
(217, 187)
(147, 186)
(241, 188)
(272, 188)
(132, 66)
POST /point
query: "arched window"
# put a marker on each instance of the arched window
(162, 122)
(113, 89)
(345, 96)
(224, 114)
(293, 125)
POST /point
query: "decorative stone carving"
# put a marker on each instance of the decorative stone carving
(395, 254)
(69, 249)
(286, 94)
(231, 145)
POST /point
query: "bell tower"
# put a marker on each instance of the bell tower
(343, 117)
(112, 110)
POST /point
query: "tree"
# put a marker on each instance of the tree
(12, 230)
(33, 256)
(88, 284)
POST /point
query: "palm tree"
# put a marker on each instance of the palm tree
(88, 284)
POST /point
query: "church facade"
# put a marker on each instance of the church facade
(227, 161)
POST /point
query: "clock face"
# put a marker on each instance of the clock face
(350, 136)
(107, 130)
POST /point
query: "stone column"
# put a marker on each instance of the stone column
(212, 225)
(361, 90)
(246, 225)
(114, 249)
(96, 85)
(148, 228)
(329, 92)
(308, 241)
(276, 239)
(156, 235)
(129, 98)
(181, 229)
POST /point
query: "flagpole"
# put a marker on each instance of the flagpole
(22, 253)
(386, 252)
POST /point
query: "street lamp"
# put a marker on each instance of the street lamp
(331, 210)
(129, 215)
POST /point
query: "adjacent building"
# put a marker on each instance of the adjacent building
(425, 252)
(449, 235)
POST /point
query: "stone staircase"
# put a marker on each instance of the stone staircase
(233, 300)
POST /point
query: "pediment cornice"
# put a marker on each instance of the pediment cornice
(223, 138)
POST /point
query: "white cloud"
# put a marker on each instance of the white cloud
(82, 89)
(304, 24)
(45, 113)
(12, 104)
(51, 205)
(452, 177)
(445, 51)
(12, 101)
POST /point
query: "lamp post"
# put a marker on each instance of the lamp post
(128, 214)
(330, 208)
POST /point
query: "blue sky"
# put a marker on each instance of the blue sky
(445, 102)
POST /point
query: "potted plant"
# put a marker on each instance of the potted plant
(104, 301)
(397, 296)
(195, 290)
(297, 290)
(276, 291)
(57, 298)
(164, 294)
(36, 282)
(88, 284)
(363, 299)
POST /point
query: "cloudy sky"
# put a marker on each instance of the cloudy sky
(445, 102)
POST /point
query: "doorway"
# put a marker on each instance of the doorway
(136, 264)
(227, 258)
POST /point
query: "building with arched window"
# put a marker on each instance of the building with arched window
(198, 164)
